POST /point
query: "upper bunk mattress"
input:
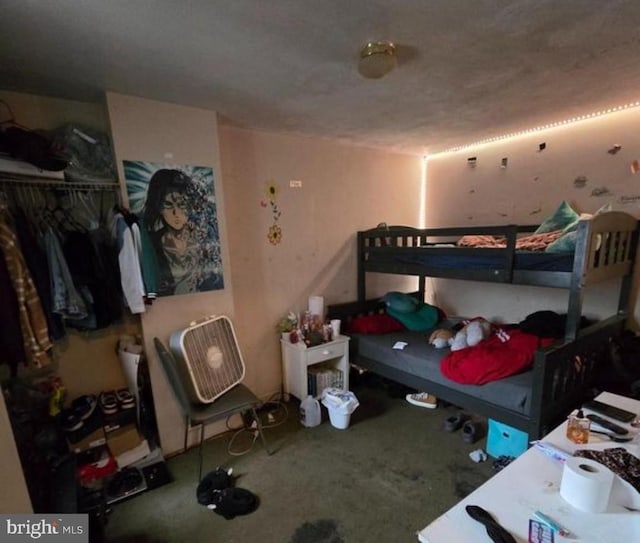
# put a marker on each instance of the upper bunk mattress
(423, 360)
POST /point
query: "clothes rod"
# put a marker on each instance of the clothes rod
(42, 182)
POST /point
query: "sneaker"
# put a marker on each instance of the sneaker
(423, 399)
(125, 398)
(84, 406)
(109, 402)
(455, 422)
(69, 421)
(471, 431)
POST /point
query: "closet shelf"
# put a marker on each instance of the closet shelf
(7, 178)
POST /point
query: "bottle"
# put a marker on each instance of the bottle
(578, 428)
(310, 415)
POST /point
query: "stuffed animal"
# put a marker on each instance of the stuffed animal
(472, 334)
(440, 338)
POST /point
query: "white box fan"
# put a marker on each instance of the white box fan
(208, 357)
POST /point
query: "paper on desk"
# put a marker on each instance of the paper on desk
(400, 345)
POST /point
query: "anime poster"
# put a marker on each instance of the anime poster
(176, 208)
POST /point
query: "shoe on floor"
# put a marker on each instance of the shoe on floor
(125, 398)
(471, 431)
(109, 402)
(423, 399)
(455, 422)
(84, 406)
(69, 421)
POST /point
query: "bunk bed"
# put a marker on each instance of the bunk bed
(561, 374)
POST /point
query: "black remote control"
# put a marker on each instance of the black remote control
(607, 424)
(609, 411)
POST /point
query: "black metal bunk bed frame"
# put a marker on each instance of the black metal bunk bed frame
(562, 373)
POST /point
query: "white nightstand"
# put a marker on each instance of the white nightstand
(297, 358)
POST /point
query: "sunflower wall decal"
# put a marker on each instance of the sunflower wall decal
(274, 234)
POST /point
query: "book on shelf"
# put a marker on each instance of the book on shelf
(320, 377)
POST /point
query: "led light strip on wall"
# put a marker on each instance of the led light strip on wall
(529, 131)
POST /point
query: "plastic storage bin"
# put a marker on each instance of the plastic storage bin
(504, 440)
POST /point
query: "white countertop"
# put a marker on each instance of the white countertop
(532, 483)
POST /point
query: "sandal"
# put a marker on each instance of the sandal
(455, 422)
(109, 402)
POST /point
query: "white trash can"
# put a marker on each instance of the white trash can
(338, 419)
(340, 404)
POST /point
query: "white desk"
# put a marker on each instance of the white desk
(532, 483)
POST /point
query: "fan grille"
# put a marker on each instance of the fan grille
(213, 358)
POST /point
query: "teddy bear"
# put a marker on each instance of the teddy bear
(471, 334)
(440, 338)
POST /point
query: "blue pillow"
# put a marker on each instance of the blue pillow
(401, 302)
(564, 244)
(422, 320)
(561, 218)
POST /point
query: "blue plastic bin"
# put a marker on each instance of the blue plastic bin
(504, 440)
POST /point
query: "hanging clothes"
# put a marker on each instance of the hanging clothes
(36, 260)
(92, 280)
(66, 300)
(35, 333)
(130, 271)
(11, 345)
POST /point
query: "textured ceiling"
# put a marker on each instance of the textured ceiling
(468, 69)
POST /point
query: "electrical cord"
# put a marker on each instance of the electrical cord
(279, 406)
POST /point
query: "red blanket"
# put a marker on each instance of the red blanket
(502, 354)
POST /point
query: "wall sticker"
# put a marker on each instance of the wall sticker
(274, 234)
(600, 191)
(615, 149)
(580, 182)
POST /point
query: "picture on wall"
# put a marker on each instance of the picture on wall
(180, 240)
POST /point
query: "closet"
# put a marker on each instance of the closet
(61, 235)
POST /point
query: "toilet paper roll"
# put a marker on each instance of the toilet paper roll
(586, 484)
(316, 305)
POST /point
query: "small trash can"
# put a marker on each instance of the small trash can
(340, 404)
(338, 419)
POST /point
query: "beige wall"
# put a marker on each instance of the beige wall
(529, 189)
(166, 133)
(344, 189)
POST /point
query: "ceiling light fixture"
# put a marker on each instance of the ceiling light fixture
(377, 59)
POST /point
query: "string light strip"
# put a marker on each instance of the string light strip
(592, 115)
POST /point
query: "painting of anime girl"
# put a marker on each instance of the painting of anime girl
(178, 222)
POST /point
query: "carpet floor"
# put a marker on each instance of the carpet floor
(387, 476)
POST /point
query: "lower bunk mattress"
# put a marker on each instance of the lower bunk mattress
(421, 360)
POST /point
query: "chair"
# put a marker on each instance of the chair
(237, 400)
